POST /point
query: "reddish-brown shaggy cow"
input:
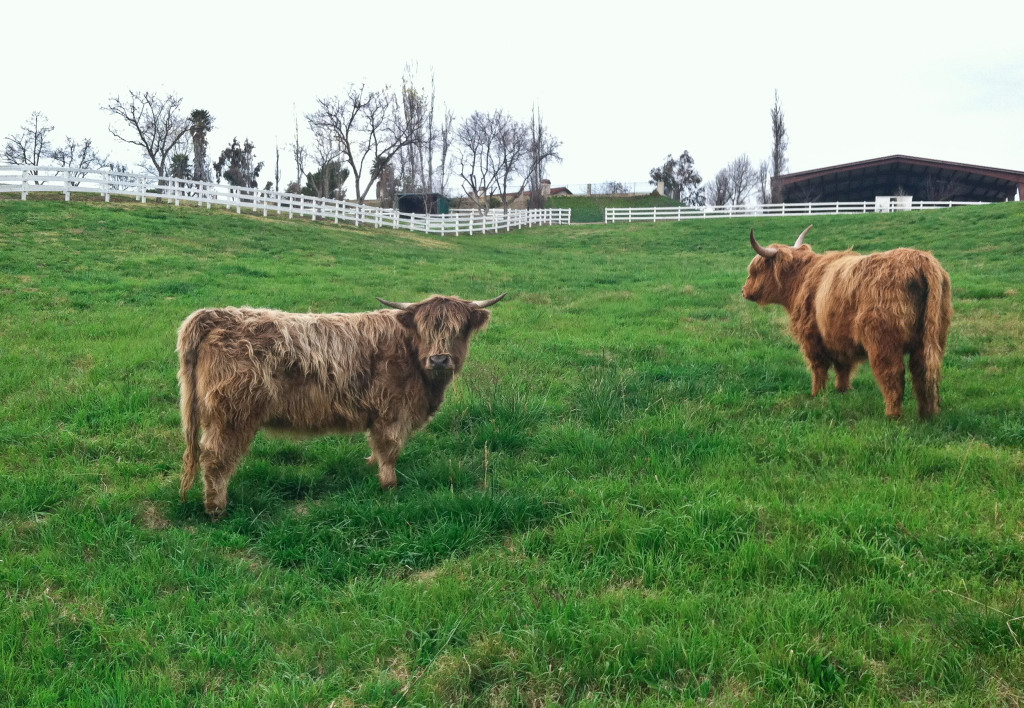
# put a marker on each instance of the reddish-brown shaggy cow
(845, 307)
(383, 372)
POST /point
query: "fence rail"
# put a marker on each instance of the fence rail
(144, 187)
(882, 204)
(461, 222)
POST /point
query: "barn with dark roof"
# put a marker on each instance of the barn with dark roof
(918, 177)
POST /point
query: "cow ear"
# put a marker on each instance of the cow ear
(406, 318)
(479, 319)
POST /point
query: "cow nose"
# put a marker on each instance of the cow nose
(440, 361)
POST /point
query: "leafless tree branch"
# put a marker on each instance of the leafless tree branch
(155, 124)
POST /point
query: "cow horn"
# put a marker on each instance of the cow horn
(396, 305)
(488, 303)
(761, 250)
(800, 238)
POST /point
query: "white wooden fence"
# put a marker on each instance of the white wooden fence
(881, 204)
(461, 222)
(143, 187)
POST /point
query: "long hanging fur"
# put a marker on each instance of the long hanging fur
(845, 307)
(383, 372)
(190, 334)
(938, 315)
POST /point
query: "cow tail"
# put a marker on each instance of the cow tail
(937, 315)
(190, 335)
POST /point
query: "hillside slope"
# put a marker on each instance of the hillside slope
(629, 497)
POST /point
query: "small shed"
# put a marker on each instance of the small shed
(419, 203)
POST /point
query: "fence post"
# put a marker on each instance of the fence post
(24, 185)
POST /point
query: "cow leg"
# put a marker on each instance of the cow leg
(220, 452)
(386, 442)
(887, 366)
(843, 374)
(819, 378)
(927, 394)
(818, 361)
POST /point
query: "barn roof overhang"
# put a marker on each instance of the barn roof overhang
(922, 178)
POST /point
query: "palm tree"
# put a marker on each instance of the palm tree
(201, 123)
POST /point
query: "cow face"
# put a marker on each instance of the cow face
(441, 328)
(769, 273)
(762, 286)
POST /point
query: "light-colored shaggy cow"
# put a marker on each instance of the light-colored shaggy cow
(845, 307)
(383, 372)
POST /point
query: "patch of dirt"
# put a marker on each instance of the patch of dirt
(153, 518)
(423, 240)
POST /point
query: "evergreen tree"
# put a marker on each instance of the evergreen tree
(238, 165)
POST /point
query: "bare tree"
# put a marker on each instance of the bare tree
(31, 145)
(941, 190)
(445, 140)
(121, 179)
(764, 191)
(424, 165)
(155, 124)
(719, 190)
(492, 147)
(80, 155)
(741, 179)
(277, 167)
(543, 147)
(324, 182)
(495, 151)
(370, 129)
(299, 153)
(780, 143)
(413, 160)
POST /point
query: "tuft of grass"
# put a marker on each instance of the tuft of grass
(629, 497)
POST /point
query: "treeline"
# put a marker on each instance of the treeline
(735, 183)
(394, 140)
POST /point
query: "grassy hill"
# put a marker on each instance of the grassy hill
(629, 498)
(590, 209)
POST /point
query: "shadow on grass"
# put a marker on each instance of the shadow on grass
(322, 511)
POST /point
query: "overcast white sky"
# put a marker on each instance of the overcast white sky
(621, 84)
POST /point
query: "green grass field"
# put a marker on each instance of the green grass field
(629, 497)
(591, 209)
